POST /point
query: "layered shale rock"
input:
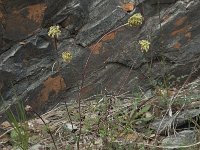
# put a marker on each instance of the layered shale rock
(27, 53)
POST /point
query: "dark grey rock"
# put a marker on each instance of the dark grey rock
(26, 67)
(22, 66)
(169, 124)
(19, 20)
(183, 138)
(71, 14)
(38, 147)
(101, 19)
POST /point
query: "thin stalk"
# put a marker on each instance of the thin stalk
(56, 52)
(126, 78)
(49, 131)
(83, 80)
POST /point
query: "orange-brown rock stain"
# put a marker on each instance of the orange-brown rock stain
(180, 21)
(36, 12)
(53, 85)
(188, 35)
(177, 45)
(183, 30)
(18, 22)
(95, 48)
(127, 7)
(109, 37)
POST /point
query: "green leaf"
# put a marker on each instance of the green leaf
(144, 110)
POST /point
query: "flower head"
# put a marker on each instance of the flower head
(144, 45)
(54, 31)
(161, 91)
(135, 20)
(67, 56)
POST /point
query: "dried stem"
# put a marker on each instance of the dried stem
(56, 53)
(49, 131)
(83, 80)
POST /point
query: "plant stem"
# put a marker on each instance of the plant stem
(49, 131)
(83, 80)
(56, 52)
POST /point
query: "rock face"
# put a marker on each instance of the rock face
(166, 125)
(19, 20)
(116, 62)
(184, 138)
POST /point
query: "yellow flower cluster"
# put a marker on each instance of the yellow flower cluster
(161, 92)
(144, 45)
(135, 20)
(54, 31)
(67, 56)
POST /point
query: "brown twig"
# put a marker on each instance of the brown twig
(29, 109)
(56, 52)
(83, 80)
(126, 78)
(49, 131)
